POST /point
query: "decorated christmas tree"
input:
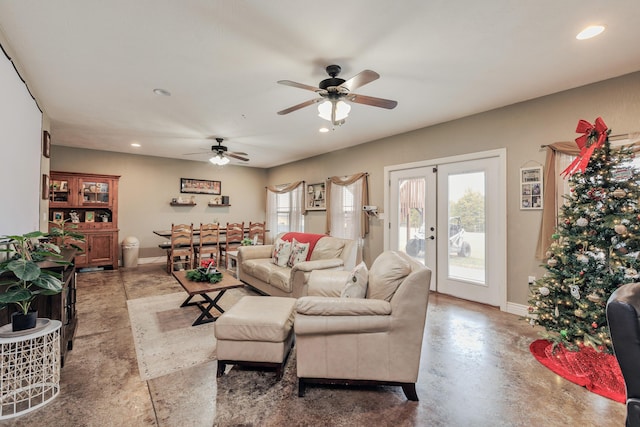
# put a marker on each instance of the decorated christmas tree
(595, 247)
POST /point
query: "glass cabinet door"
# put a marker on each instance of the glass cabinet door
(94, 193)
(59, 191)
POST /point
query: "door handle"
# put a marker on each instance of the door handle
(432, 237)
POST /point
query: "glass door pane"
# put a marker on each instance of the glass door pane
(466, 201)
(411, 217)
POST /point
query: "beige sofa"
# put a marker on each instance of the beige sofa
(376, 339)
(256, 267)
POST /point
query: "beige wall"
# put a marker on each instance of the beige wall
(148, 184)
(521, 128)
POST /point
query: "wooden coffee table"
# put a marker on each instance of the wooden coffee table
(203, 289)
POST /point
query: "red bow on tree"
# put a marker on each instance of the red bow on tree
(589, 133)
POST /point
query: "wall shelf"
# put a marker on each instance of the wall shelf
(217, 205)
(182, 204)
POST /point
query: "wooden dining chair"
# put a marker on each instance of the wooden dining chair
(209, 243)
(257, 232)
(181, 246)
(233, 239)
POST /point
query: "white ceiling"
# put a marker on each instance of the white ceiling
(92, 66)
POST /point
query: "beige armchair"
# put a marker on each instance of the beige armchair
(372, 340)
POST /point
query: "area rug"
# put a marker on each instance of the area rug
(164, 339)
(252, 397)
(598, 372)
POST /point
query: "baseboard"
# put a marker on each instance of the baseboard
(153, 260)
(518, 309)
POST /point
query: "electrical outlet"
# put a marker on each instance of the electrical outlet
(532, 279)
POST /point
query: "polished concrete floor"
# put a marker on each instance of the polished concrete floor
(476, 370)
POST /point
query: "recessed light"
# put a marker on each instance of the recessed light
(161, 92)
(135, 144)
(323, 130)
(590, 31)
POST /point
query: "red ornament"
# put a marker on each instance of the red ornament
(582, 273)
(594, 325)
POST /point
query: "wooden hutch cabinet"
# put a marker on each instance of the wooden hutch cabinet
(89, 202)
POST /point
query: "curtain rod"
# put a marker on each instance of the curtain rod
(347, 176)
(612, 137)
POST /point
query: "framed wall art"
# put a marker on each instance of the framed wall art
(200, 186)
(531, 187)
(46, 144)
(89, 216)
(45, 186)
(315, 197)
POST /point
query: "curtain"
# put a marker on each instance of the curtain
(554, 165)
(296, 210)
(345, 198)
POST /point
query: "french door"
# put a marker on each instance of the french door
(450, 214)
(414, 215)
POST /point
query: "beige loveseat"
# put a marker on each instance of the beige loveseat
(256, 267)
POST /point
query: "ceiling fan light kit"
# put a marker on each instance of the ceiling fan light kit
(334, 91)
(219, 160)
(334, 111)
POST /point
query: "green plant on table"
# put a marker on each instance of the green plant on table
(64, 233)
(21, 279)
(246, 242)
(202, 274)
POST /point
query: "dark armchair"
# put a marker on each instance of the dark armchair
(623, 310)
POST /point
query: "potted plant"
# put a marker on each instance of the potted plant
(64, 234)
(21, 279)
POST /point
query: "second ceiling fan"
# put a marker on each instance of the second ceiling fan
(334, 91)
(222, 154)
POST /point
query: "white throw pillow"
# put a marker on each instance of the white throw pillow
(281, 252)
(299, 252)
(356, 286)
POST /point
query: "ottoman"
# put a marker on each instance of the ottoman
(257, 331)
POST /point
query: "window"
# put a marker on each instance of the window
(285, 204)
(347, 197)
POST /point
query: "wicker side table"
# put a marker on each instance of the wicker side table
(29, 370)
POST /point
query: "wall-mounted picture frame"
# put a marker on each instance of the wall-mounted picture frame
(315, 197)
(200, 186)
(46, 144)
(45, 186)
(58, 217)
(89, 216)
(531, 188)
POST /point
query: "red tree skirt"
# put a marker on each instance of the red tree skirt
(598, 372)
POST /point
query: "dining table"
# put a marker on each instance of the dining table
(196, 233)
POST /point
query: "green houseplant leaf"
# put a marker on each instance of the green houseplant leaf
(21, 277)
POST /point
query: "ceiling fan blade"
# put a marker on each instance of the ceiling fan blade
(374, 102)
(235, 156)
(299, 106)
(298, 85)
(361, 79)
(191, 154)
(239, 153)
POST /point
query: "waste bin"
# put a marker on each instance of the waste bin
(130, 248)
